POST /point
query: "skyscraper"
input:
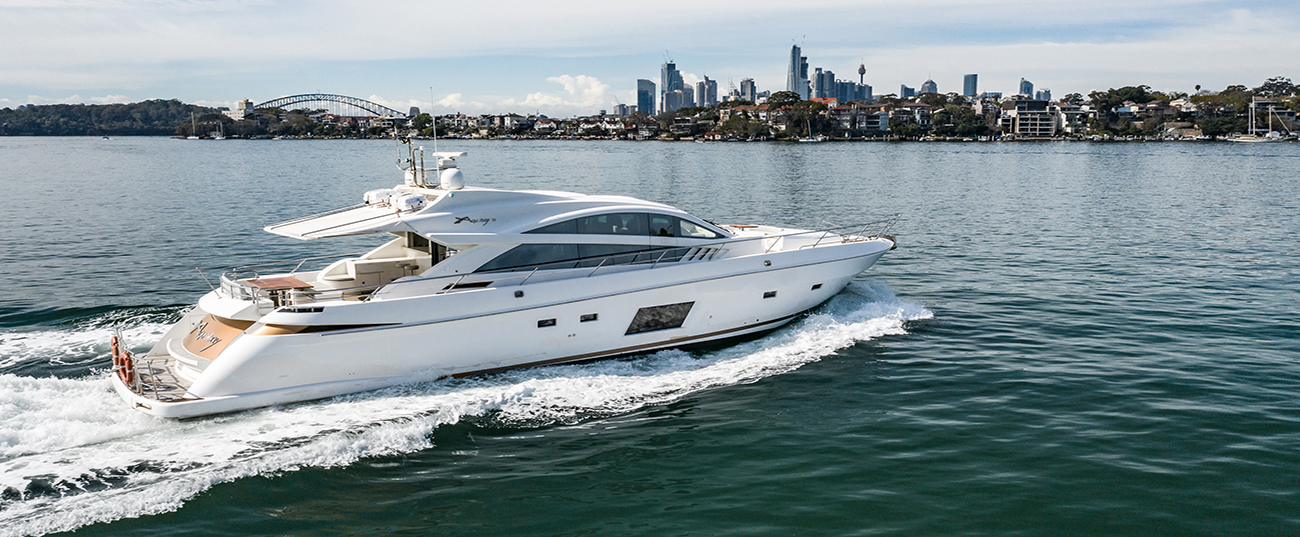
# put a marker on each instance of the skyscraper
(904, 91)
(671, 79)
(674, 100)
(706, 92)
(970, 85)
(796, 78)
(1043, 94)
(1026, 88)
(748, 91)
(845, 91)
(645, 96)
(929, 87)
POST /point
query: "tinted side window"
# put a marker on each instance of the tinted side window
(613, 224)
(567, 226)
(692, 230)
(530, 255)
(603, 224)
(614, 254)
(663, 226)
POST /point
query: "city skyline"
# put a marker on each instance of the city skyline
(217, 54)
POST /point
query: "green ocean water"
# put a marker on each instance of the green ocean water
(1072, 339)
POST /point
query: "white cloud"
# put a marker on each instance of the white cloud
(584, 90)
(1226, 51)
(586, 94)
(171, 47)
(452, 101)
(77, 99)
(214, 104)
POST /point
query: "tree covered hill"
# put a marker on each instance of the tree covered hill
(153, 117)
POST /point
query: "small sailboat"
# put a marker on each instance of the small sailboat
(810, 138)
(1254, 137)
(194, 129)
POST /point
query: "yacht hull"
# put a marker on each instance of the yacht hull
(422, 338)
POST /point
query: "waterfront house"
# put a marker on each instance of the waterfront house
(911, 114)
(752, 111)
(546, 126)
(1071, 118)
(870, 119)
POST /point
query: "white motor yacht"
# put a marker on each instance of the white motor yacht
(477, 280)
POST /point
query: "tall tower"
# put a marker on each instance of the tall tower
(862, 73)
(796, 78)
(1027, 88)
(706, 92)
(645, 96)
(970, 85)
(671, 79)
(748, 91)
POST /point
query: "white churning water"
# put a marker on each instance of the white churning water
(72, 454)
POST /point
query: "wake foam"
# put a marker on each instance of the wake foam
(85, 341)
(71, 454)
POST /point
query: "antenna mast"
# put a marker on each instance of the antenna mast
(435, 121)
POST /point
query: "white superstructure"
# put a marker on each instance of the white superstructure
(478, 280)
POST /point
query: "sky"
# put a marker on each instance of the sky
(569, 58)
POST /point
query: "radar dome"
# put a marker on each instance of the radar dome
(451, 179)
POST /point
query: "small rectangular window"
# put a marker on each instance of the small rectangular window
(769, 294)
(545, 323)
(587, 317)
(816, 287)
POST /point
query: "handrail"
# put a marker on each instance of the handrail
(299, 261)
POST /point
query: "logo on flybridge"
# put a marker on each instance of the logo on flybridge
(483, 221)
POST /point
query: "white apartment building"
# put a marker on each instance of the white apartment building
(1027, 118)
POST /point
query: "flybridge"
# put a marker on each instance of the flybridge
(449, 211)
(470, 215)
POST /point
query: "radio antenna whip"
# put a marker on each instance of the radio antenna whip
(205, 278)
(435, 121)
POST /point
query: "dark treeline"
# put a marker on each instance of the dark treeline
(153, 117)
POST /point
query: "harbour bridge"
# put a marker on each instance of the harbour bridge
(341, 105)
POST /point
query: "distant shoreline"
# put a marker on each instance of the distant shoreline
(1116, 139)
